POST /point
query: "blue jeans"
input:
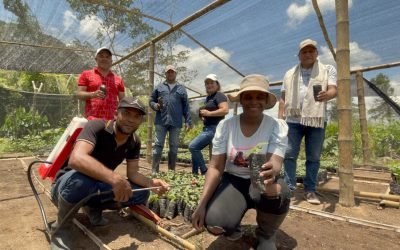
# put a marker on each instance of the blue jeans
(197, 144)
(314, 140)
(159, 139)
(74, 186)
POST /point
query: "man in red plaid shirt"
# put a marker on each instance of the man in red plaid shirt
(101, 102)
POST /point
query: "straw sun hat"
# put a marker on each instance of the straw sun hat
(254, 82)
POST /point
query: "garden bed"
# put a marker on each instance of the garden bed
(22, 227)
(181, 200)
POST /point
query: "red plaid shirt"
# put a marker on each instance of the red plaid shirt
(101, 108)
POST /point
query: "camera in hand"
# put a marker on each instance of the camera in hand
(317, 88)
(103, 89)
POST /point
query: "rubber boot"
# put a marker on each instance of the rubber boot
(155, 166)
(63, 238)
(171, 161)
(95, 216)
(268, 224)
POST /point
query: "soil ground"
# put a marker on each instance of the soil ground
(22, 226)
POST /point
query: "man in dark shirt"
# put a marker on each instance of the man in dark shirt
(99, 149)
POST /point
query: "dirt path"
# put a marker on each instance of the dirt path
(22, 227)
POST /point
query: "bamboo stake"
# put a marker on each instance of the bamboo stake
(376, 67)
(235, 109)
(189, 88)
(191, 233)
(182, 23)
(379, 196)
(371, 178)
(176, 239)
(323, 28)
(150, 113)
(364, 181)
(91, 235)
(390, 203)
(347, 219)
(345, 140)
(363, 118)
(84, 229)
(212, 53)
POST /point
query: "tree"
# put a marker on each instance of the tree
(331, 111)
(381, 110)
(134, 71)
(26, 29)
(27, 23)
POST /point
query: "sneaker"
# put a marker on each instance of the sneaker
(237, 235)
(312, 198)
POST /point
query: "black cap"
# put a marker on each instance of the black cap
(132, 102)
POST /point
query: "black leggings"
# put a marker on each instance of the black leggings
(231, 200)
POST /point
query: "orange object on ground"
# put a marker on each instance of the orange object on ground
(146, 212)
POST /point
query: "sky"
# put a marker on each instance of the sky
(258, 36)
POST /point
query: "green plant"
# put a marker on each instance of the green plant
(187, 137)
(394, 167)
(385, 139)
(43, 142)
(20, 123)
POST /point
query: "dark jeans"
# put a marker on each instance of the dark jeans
(231, 200)
(74, 186)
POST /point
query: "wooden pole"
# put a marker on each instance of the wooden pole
(150, 113)
(212, 53)
(345, 141)
(376, 67)
(174, 238)
(235, 109)
(179, 25)
(363, 119)
(323, 28)
(347, 219)
(192, 233)
(377, 196)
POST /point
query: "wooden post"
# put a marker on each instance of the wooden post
(187, 20)
(346, 180)
(323, 28)
(235, 109)
(363, 119)
(150, 113)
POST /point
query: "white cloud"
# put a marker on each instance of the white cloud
(68, 19)
(395, 83)
(86, 27)
(89, 25)
(359, 57)
(298, 12)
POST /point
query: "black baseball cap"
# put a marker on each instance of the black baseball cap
(132, 102)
